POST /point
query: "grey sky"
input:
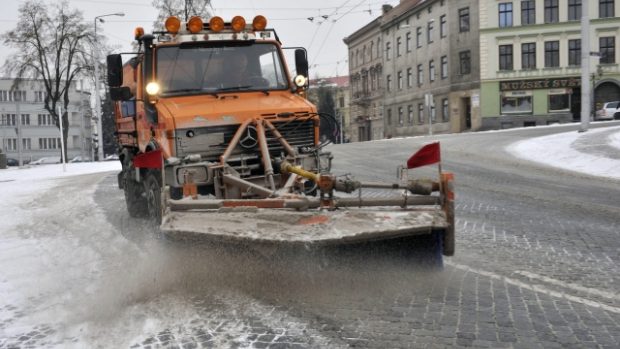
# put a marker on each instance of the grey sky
(322, 37)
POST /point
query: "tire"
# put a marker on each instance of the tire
(134, 198)
(617, 116)
(436, 243)
(152, 189)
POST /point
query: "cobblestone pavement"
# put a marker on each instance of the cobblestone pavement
(536, 266)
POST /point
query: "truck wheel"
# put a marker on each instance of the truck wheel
(135, 201)
(436, 250)
(152, 188)
(448, 242)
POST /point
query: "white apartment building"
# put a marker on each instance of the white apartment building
(26, 128)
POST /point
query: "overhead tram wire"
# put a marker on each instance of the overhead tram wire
(331, 27)
(321, 23)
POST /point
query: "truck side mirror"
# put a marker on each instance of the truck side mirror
(115, 70)
(301, 62)
(120, 93)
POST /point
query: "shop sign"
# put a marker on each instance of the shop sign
(517, 94)
(537, 84)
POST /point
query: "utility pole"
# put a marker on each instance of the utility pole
(19, 128)
(428, 101)
(97, 95)
(585, 67)
(81, 119)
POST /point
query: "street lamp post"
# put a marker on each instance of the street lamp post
(585, 68)
(97, 96)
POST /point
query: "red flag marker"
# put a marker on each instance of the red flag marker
(151, 159)
(427, 155)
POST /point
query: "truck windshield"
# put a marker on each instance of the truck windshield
(191, 69)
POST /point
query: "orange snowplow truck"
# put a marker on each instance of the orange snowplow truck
(212, 129)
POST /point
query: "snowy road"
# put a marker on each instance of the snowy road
(536, 266)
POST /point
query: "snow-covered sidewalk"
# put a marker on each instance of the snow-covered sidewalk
(595, 152)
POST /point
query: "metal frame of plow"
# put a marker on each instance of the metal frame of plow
(232, 180)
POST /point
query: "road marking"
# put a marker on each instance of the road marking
(575, 287)
(535, 288)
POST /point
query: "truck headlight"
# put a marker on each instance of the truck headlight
(300, 81)
(152, 88)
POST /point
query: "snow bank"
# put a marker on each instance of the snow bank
(556, 150)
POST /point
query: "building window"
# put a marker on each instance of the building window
(420, 113)
(39, 96)
(4, 96)
(464, 20)
(443, 23)
(418, 37)
(27, 143)
(431, 70)
(388, 81)
(505, 14)
(552, 54)
(10, 144)
(505, 57)
(430, 32)
(445, 110)
(528, 12)
(389, 116)
(420, 74)
(44, 119)
(528, 56)
(400, 116)
(398, 44)
(408, 42)
(378, 47)
(559, 102)
(608, 49)
(372, 48)
(574, 10)
(400, 80)
(465, 60)
(606, 8)
(388, 54)
(574, 52)
(25, 119)
(552, 11)
(9, 120)
(516, 105)
(444, 67)
(433, 114)
(410, 114)
(409, 77)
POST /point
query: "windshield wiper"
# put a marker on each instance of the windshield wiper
(243, 88)
(232, 88)
(191, 91)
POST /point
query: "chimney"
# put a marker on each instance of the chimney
(386, 8)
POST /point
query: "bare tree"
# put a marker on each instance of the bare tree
(51, 47)
(183, 9)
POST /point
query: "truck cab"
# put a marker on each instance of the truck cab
(199, 97)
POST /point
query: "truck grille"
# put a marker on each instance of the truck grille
(211, 142)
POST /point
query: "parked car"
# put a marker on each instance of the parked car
(80, 158)
(47, 160)
(12, 162)
(609, 111)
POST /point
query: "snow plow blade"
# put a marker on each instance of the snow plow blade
(303, 221)
(266, 225)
